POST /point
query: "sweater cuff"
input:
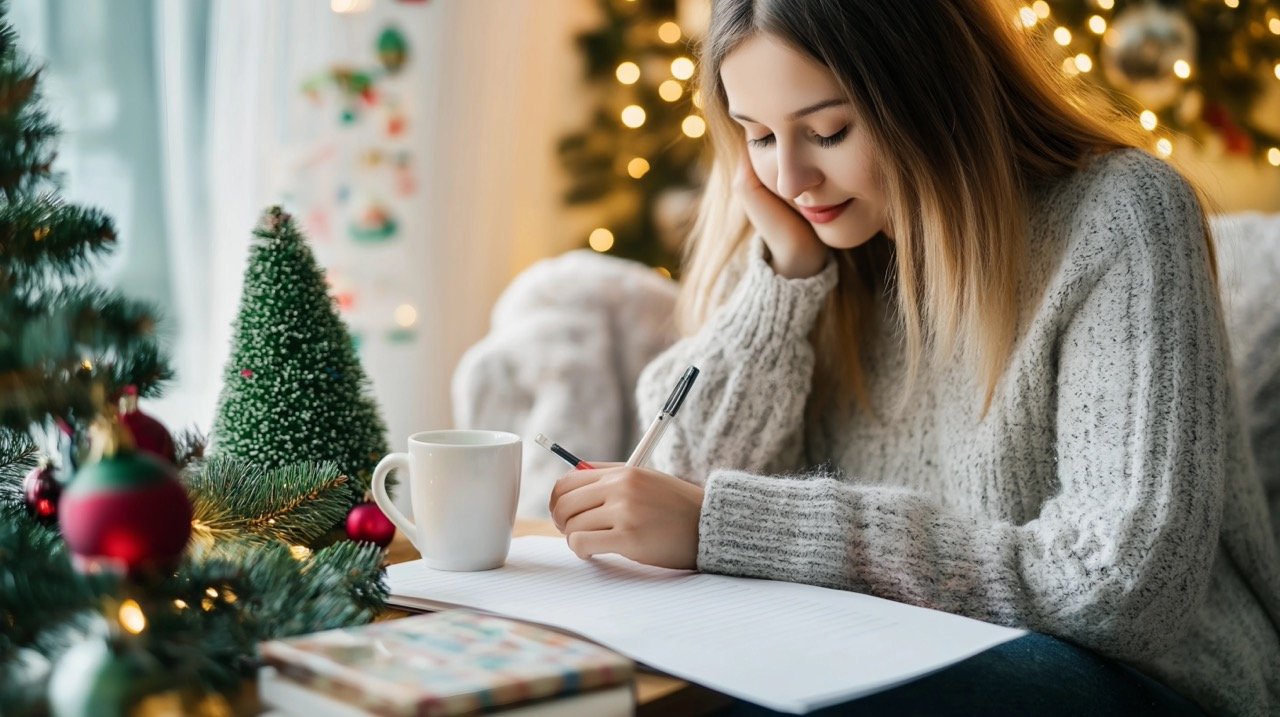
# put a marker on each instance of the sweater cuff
(767, 308)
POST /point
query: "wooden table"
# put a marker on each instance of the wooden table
(656, 693)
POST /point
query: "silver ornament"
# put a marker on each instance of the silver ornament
(1140, 49)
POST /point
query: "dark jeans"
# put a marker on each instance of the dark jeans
(1032, 675)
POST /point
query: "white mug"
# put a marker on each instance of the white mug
(463, 486)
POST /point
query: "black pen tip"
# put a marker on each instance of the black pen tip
(681, 390)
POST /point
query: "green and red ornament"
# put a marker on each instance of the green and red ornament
(126, 511)
(149, 435)
(367, 523)
(42, 490)
(393, 49)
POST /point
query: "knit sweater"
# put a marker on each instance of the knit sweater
(1106, 498)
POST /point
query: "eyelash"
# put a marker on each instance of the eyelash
(829, 141)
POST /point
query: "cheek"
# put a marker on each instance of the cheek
(766, 169)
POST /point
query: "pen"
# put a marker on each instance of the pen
(568, 457)
(664, 417)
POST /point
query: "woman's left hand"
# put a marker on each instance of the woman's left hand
(647, 516)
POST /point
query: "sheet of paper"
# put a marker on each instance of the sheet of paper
(793, 648)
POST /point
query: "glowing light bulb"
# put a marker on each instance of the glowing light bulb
(1097, 24)
(638, 167)
(1148, 120)
(406, 315)
(669, 32)
(1084, 63)
(1274, 25)
(694, 126)
(1182, 69)
(1041, 9)
(670, 90)
(1063, 36)
(1164, 147)
(1273, 156)
(628, 73)
(131, 617)
(1106, 4)
(633, 116)
(682, 68)
(1028, 17)
(601, 239)
(1232, 3)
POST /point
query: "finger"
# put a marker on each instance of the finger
(598, 518)
(572, 481)
(586, 543)
(577, 501)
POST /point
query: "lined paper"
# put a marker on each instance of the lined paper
(793, 648)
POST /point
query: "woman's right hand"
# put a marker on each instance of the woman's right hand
(795, 252)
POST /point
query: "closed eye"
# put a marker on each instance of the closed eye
(827, 141)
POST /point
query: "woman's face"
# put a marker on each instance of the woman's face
(803, 139)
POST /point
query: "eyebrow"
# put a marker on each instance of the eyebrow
(798, 113)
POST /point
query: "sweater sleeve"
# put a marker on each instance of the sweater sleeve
(755, 362)
(1119, 557)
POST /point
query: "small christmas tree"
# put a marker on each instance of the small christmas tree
(294, 390)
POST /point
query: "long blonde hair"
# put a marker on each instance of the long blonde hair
(966, 116)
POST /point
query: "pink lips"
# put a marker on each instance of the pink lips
(822, 215)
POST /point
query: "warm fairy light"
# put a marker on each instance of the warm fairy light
(1274, 25)
(1182, 69)
(638, 167)
(1232, 3)
(694, 126)
(1164, 147)
(131, 617)
(1278, 70)
(1069, 67)
(1097, 24)
(211, 592)
(697, 99)
(601, 239)
(1063, 36)
(1273, 156)
(682, 68)
(1148, 120)
(180, 604)
(1028, 17)
(633, 116)
(669, 32)
(299, 552)
(628, 73)
(664, 271)
(1041, 9)
(87, 365)
(1106, 4)
(228, 596)
(1084, 63)
(347, 7)
(406, 315)
(670, 90)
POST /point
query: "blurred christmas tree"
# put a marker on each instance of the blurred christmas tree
(1208, 69)
(637, 158)
(294, 390)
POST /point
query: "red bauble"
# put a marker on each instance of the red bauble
(149, 435)
(366, 523)
(127, 512)
(42, 491)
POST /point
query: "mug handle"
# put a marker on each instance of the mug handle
(385, 466)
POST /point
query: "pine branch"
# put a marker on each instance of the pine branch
(17, 457)
(43, 235)
(296, 504)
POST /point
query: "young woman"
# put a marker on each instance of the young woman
(961, 346)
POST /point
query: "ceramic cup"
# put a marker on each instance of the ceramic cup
(463, 486)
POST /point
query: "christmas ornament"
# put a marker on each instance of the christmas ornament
(42, 491)
(149, 435)
(392, 49)
(1144, 43)
(92, 680)
(367, 523)
(126, 511)
(374, 224)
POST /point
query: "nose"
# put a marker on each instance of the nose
(796, 173)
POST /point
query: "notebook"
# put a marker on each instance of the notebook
(441, 665)
(789, 647)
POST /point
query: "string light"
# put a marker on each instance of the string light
(601, 240)
(1097, 24)
(1274, 25)
(670, 90)
(664, 271)
(1028, 17)
(131, 617)
(347, 7)
(1063, 36)
(1164, 147)
(1278, 70)
(1148, 120)
(1182, 69)
(1273, 156)
(633, 116)
(693, 126)
(180, 604)
(628, 73)
(1041, 8)
(638, 167)
(406, 315)
(1106, 4)
(299, 552)
(1233, 4)
(1083, 62)
(1069, 67)
(697, 99)
(682, 68)
(669, 32)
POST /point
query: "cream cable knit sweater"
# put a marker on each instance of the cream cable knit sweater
(1107, 498)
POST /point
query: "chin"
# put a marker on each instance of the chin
(845, 237)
